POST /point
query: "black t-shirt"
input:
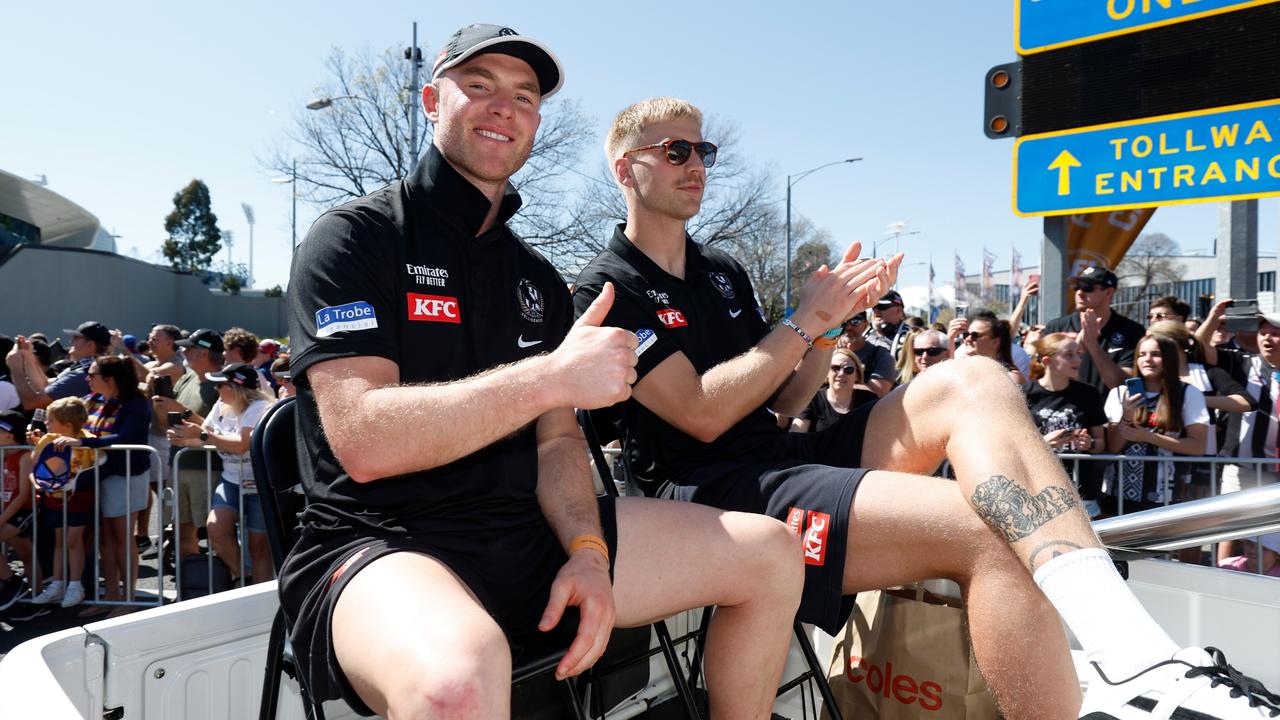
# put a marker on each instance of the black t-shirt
(821, 415)
(1076, 406)
(877, 363)
(710, 316)
(1119, 340)
(400, 274)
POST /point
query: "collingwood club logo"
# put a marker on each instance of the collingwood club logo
(721, 283)
(530, 300)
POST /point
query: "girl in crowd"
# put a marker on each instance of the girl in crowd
(1068, 412)
(228, 427)
(844, 392)
(989, 337)
(920, 351)
(1167, 418)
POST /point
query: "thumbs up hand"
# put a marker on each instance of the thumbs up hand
(595, 366)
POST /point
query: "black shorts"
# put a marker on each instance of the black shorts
(510, 571)
(806, 480)
(22, 521)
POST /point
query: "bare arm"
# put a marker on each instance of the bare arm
(1204, 333)
(1090, 326)
(437, 424)
(566, 492)
(798, 390)
(1228, 403)
(1024, 298)
(880, 386)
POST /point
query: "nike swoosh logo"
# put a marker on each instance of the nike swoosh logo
(735, 313)
(527, 343)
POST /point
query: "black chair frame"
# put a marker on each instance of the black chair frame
(814, 670)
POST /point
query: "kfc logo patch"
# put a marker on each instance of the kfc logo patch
(811, 527)
(672, 318)
(433, 308)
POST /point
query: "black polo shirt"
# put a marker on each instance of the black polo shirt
(401, 274)
(1118, 339)
(711, 316)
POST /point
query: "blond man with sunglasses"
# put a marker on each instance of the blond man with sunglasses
(710, 375)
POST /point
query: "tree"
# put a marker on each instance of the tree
(1151, 260)
(361, 143)
(274, 292)
(231, 284)
(194, 237)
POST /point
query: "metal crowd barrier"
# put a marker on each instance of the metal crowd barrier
(170, 498)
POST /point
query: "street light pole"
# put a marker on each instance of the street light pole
(786, 293)
(293, 185)
(248, 216)
(414, 55)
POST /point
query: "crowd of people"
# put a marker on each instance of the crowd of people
(1099, 383)
(65, 410)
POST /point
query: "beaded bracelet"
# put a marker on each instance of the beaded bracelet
(804, 335)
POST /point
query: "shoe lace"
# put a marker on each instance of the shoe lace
(1221, 673)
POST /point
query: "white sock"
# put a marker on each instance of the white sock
(76, 583)
(1113, 628)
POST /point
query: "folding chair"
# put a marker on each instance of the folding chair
(815, 671)
(273, 450)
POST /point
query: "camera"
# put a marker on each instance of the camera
(1241, 315)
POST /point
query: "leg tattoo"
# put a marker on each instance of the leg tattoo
(1050, 550)
(1015, 513)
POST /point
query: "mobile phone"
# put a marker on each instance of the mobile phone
(962, 309)
(175, 419)
(1241, 315)
(1135, 386)
(163, 386)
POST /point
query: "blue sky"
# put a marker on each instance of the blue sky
(122, 105)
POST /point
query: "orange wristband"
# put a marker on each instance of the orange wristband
(589, 542)
(823, 342)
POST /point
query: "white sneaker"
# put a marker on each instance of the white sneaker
(52, 593)
(73, 596)
(1197, 683)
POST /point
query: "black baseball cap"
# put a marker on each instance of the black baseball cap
(890, 298)
(1097, 275)
(15, 423)
(481, 38)
(95, 331)
(203, 338)
(241, 374)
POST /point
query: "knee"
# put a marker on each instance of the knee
(971, 382)
(465, 686)
(775, 554)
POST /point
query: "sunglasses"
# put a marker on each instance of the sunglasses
(974, 336)
(856, 320)
(93, 374)
(678, 151)
(846, 369)
(930, 351)
(1087, 287)
(1160, 316)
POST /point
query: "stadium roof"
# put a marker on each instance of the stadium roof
(61, 221)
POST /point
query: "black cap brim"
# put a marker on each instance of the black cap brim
(539, 57)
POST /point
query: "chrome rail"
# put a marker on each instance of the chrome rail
(1242, 514)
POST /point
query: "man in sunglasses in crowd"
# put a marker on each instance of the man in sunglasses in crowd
(880, 373)
(888, 324)
(699, 425)
(452, 511)
(1109, 339)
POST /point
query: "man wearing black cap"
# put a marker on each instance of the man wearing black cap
(452, 510)
(88, 341)
(888, 326)
(1109, 338)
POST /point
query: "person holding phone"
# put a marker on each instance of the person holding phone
(1154, 413)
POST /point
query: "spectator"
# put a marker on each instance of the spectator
(43, 355)
(1067, 412)
(65, 509)
(844, 391)
(196, 395)
(166, 363)
(119, 414)
(1108, 338)
(1168, 308)
(90, 340)
(987, 336)
(228, 427)
(8, 393)
(280, 371)
(15, 506)
(268, 351)
(1168, 418)
(1256, 434)
(928, 348)
(877, 364)
(1227, 349)
(131, 346)
(242, 345)
(1030, 290)
(1267, 548)
(889, 328)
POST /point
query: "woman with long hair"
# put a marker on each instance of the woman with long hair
(844, 392)
(1167, 418)
(119, 414)
(228, 427)
(989, 337)
(1067, 412)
